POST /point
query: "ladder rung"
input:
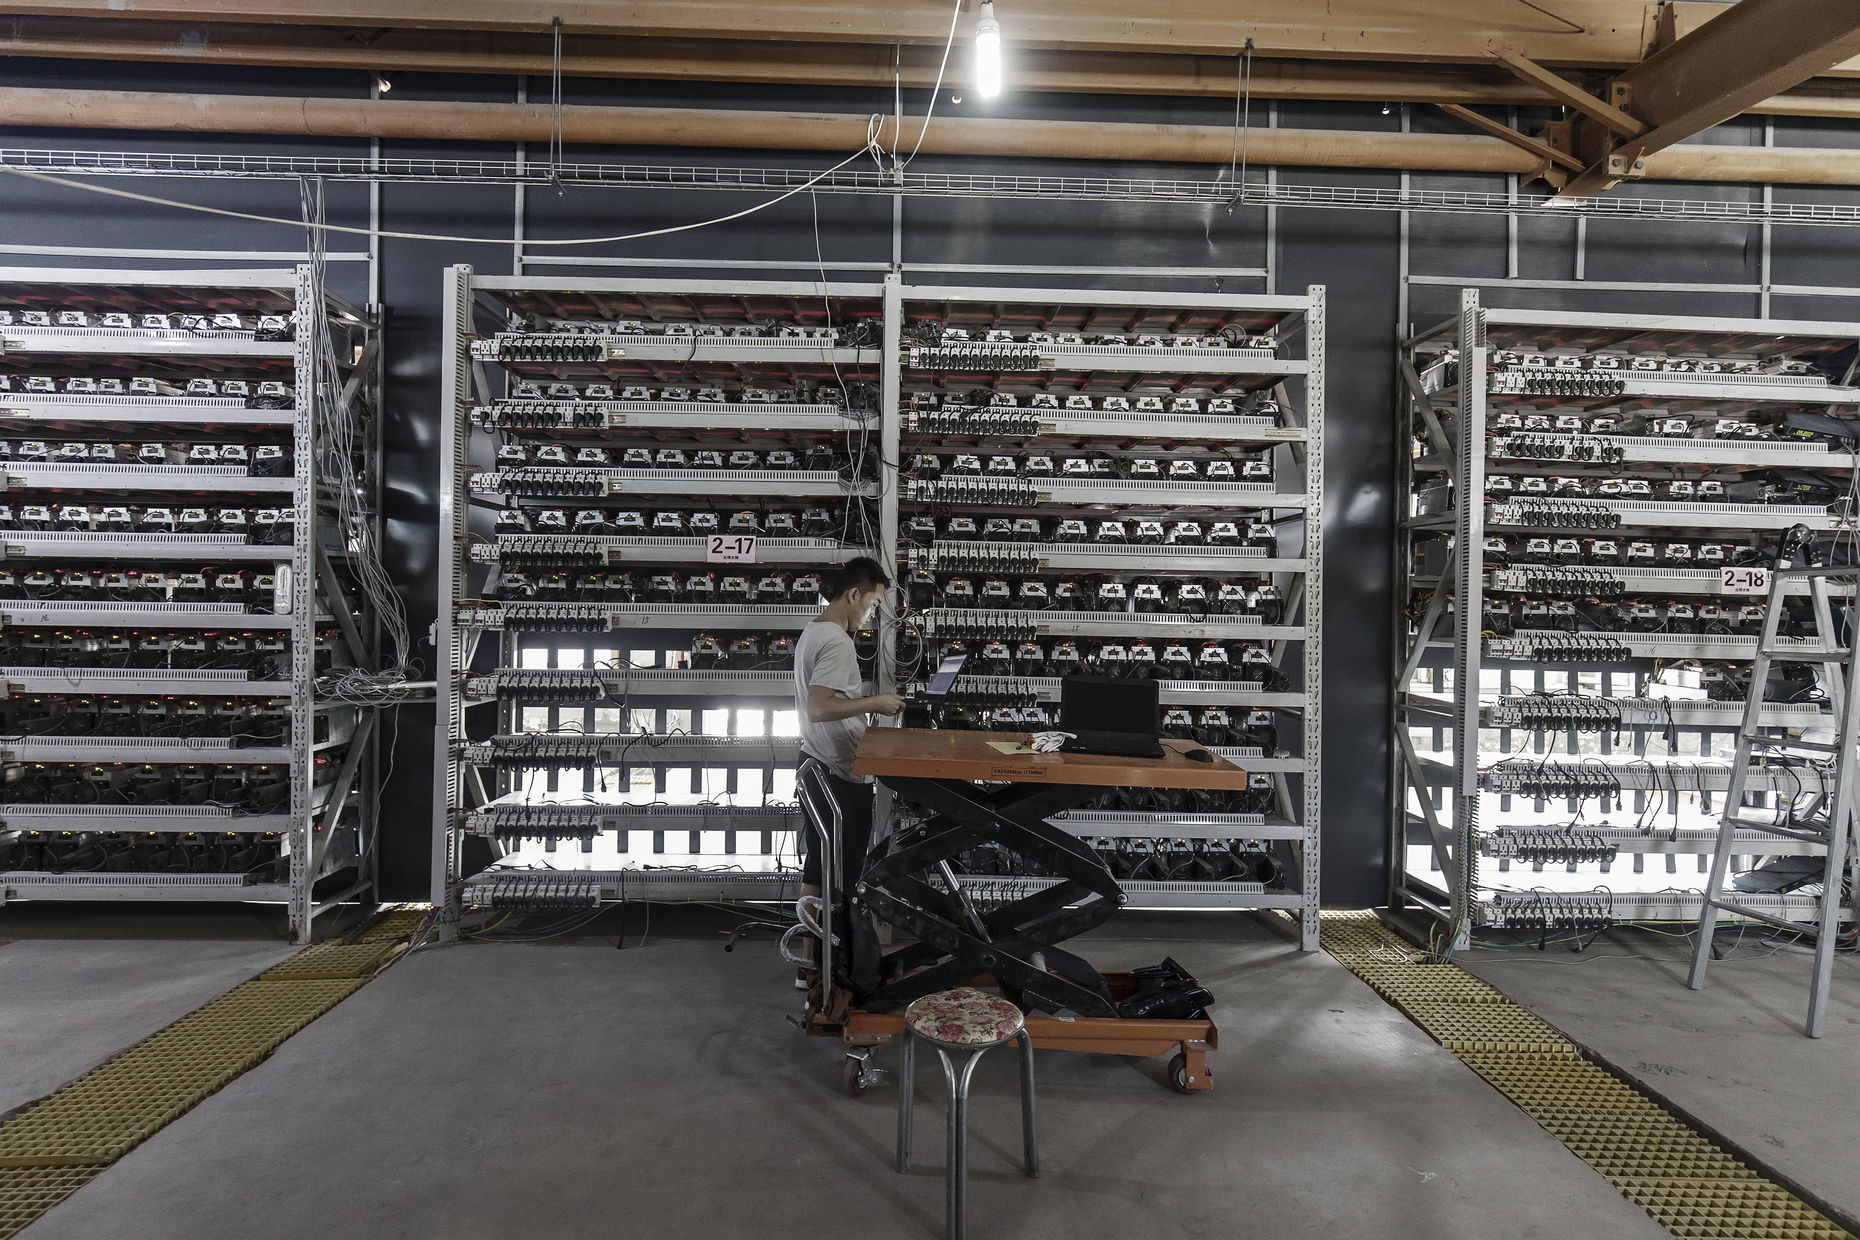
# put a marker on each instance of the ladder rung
(1803, 654)
(1809, 835)
(1781, 923)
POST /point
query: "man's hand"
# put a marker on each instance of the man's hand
(885, 704)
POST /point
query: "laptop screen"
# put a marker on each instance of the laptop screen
(945, 676)
(1107, 704)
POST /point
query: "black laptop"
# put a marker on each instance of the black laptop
(1105, 715)
(944, 679)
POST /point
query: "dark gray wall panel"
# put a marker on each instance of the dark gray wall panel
(1353, 254)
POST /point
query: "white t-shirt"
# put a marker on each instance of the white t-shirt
(825, 655)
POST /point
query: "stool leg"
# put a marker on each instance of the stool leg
(1029, 1120)
(958, 1083)
(907, 1073)
(952, 1189)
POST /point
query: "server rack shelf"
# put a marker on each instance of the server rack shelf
(71, 409)
(170, 589)
(21, 613)
(1127, 483)
(645, 486)
(592, 684)
(634, 429)
(1591, 503)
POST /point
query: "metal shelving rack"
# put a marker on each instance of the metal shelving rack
(622, 715)
(130, 584)
(566, 683)
(1185, 432)
(1552, 773)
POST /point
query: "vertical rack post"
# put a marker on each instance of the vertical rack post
(1314, 613)
(890, 470)
(449, 708)
(1468, 611)
(302, 595)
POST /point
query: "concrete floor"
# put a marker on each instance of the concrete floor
(568, 1090)
(66, 1005)
(1731, 1056)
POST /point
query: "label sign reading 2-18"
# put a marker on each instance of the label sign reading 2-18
(1744, 580)
(730, 549)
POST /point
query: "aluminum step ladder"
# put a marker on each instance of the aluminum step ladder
(1832, 826)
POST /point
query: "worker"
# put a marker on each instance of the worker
(827, 696)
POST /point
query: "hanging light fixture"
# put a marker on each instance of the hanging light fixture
(988, 52)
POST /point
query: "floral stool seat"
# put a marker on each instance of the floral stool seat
(963, 1017)
(972, 1021)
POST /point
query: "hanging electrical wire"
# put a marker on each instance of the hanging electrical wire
(873, 126)
(336, 471)
(930, 109)
(555, 110)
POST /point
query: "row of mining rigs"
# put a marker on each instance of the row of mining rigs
(1590, 509)
(650, 486)
(189, 581)
(1125, 485)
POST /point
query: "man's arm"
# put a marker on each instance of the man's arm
(825, 706)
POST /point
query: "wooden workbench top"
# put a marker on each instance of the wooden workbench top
(925, 753)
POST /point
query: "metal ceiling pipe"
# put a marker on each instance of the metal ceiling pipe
(804, 64)
(770, 130)
(27, 107)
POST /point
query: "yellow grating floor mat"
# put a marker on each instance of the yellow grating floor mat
(395, 926)
(1408, 984)
(104, 1114)
(1485, 1028)
(1736, 1210)
(1689, 1185)
(333, 960)
(57, 1145)
(28, 1192)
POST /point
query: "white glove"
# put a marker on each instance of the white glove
(1049, 742)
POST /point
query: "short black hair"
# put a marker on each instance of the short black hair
(860, 573)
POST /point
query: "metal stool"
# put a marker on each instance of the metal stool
(963, 1019)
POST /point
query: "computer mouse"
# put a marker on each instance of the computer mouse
(1199, 755)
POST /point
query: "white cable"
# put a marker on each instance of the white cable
(408, 236)
(788, 954)
(337, 438)
(954, 17)
(806, 908)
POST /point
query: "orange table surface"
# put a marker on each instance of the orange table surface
(938, 753)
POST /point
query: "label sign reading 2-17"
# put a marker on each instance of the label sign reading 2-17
(730, 549)
(1743, 580)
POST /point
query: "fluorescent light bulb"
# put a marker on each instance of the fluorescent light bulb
(988, 52)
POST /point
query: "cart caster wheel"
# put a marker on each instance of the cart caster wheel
(1178, 1073)
(853, 1077)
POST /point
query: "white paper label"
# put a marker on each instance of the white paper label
(1744, 580)
(730, 548)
